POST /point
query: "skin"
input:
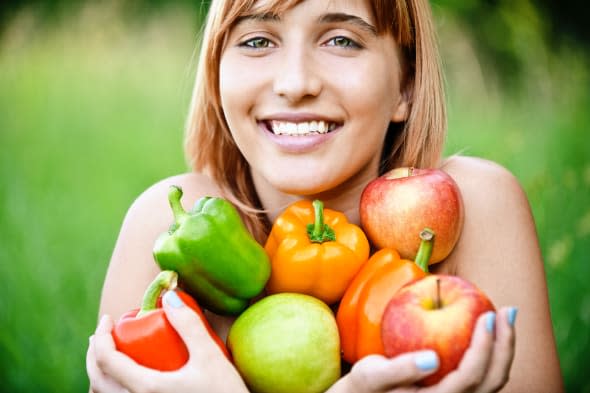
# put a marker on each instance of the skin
(309, 67)
(307, 60)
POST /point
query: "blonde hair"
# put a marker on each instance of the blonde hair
(416, 142)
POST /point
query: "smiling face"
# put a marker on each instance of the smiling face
(308, 95)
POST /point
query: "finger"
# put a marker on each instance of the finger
(190, 327)
(503, 352)
(92, 370)
(475, 362)
(99, 382)
(377, 373)
(105, 325)
(116, 365)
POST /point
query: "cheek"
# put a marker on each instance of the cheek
(239, 85)
(368, 97)
(378, 94)
(229, 84)
(240, 88)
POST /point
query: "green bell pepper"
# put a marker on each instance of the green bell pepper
(217, 260)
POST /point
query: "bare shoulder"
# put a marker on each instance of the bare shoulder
(492, 195)
(150, 214)
(481, 179)
(132, 266)
(193, 185)
(496, 213)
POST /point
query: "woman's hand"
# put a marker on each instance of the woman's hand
(485, 365)
(207, 369)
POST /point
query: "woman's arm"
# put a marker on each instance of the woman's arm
(499, 252)
(130, 271)
(483, 369)
(207, 369)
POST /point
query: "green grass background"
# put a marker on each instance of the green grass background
(92, 108)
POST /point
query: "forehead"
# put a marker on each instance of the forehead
(277, 7)
(388, 16)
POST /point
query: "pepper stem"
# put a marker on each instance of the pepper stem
(425, 249)
(166, 280)
(319, 232)
(174, 195)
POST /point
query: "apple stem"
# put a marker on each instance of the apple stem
(425, 249)
(319, 232)
(437, 302)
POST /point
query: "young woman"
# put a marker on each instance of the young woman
(314, 99)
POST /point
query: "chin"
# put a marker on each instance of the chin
(302, 185)
(302, 188)
(308, 176)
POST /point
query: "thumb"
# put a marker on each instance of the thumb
(194, 331)
(105, 325)
(378, 373)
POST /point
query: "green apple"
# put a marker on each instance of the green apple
(286, 343)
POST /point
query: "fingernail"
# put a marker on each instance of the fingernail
(512, 311)
(172, 299)
(426, 361)
(490, 321)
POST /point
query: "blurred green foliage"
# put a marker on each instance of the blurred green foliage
(92, 105)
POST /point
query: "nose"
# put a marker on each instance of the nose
(298, 76)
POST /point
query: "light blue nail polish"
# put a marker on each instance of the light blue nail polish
(512, 311)
(426, 361)
(490, 321)
(172, 299)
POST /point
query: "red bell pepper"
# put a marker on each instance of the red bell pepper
(361, 309)
(147, 336)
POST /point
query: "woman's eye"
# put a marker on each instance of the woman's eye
(343, 42)
(257, 43)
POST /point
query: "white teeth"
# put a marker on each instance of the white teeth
(303, 128)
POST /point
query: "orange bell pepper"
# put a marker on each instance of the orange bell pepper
(314, 251)
(361, 309)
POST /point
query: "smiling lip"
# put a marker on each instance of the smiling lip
(297, 117)
(297, 144)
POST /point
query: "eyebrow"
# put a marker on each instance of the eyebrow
(262, 17)
(352, 19)
(324, 19)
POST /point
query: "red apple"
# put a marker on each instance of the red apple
(396, 206)
(437, 312)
